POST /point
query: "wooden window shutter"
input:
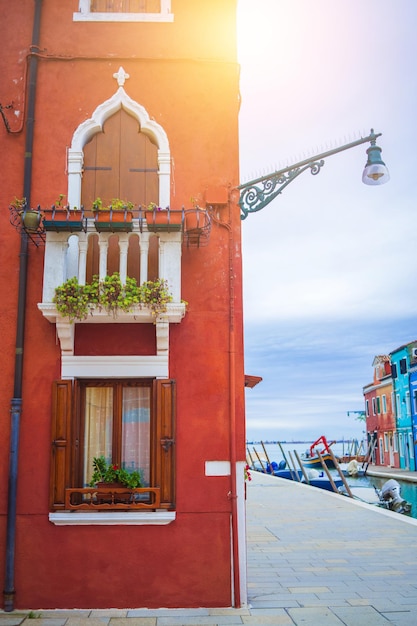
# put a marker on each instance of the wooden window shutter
(120, 162)
(164, 394)
(61, 433)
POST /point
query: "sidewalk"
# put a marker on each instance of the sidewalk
(315, 558)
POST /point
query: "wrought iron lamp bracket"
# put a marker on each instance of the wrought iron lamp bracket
(255, 195)
(258, 193)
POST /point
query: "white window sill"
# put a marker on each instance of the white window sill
(123, 17)
(112, 518)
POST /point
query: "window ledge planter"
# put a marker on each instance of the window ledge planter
(165, 220)
(113, 220)
(174, 314)
(64, 220)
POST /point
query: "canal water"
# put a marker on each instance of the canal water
(273, 450)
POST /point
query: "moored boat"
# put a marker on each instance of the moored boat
(311, 458)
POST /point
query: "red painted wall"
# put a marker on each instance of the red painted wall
(186, 76)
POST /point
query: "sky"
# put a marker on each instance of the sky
(330, 266)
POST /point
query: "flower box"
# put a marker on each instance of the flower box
(164, 220)
(113, 220)
(61, 220)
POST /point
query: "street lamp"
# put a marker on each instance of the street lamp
(258, 193)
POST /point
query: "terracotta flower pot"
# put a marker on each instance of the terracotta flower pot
(164, 220)
(113, 220)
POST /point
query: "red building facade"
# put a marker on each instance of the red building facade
(139, 102)
(380, 414)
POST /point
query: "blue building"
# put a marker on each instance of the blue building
(413, 394)
(402, 360)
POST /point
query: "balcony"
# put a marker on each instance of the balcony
(141, 251)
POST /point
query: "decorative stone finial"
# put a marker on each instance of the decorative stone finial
(121, 76)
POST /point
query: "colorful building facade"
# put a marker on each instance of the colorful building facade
(380, 416)
(137, 102)
(400, 366)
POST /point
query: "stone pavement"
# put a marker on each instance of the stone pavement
(314, 559)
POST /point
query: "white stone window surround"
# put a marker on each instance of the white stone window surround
(84, 14)
(86, 130)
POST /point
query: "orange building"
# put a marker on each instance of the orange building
(135, 101)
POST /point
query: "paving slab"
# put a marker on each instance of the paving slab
(315, 558)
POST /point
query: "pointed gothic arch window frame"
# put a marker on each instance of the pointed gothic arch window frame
(86, 130)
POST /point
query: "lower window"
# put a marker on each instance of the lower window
(128, 422)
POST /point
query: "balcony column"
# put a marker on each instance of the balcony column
(103, 245)
(123, 249)
(144, 248)
(82, 260)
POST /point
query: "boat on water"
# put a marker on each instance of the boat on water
(280, 470)
(311, 458)
(321, 480)
(388, 497)
(352, 469)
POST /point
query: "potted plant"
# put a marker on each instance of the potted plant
(110, 473)
(116, 216)
(159, 219)
(114, 483)
(30, 218)
(63, 218)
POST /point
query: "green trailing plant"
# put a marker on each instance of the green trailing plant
(76, 301)
(113, 295)
(156, 295)
(71, 300)
(104, 472)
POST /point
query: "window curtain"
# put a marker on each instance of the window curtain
(98, 427)
(136, 413)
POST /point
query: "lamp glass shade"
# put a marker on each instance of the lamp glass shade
(375, 172)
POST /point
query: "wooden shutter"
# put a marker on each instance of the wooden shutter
(61, 433)
(120, 162)
(164, 394)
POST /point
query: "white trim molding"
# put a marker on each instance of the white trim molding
(116, 518)
(114, 366)
(85, 14)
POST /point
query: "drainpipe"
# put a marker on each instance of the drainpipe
(16, 401)
(232, 413)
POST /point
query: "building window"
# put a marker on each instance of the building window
(403, 366)
(129, 422)
(400, 444)
(373, 406)
(384, 403)
(398, 405)
(381, 451)
(124, 11)
(367, 407)
(394, 370)
(378, 405)
(411, 445)
(407, 403)
(395, 441)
